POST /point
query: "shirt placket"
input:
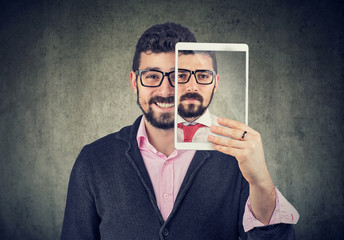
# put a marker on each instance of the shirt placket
(167, 187)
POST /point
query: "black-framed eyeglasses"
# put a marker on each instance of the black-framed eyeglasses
(203, 77)
(154, 78)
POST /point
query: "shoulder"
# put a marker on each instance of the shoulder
(109, 145)
(109, 142)
(126, 135)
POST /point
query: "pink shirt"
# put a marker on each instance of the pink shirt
(167, 174)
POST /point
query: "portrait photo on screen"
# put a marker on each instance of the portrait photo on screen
(211, 81)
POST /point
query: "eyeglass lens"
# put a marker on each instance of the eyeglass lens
(202, 76)
(153, 78)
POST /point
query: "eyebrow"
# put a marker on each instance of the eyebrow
(157, 68)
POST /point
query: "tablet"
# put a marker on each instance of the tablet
(211, 81)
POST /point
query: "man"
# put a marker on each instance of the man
(134, 184)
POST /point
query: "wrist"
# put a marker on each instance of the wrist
(263, 200)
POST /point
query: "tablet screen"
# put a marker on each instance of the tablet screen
(211, 81)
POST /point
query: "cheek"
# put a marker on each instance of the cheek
(145, 95)
(181, 89)
(206, 93)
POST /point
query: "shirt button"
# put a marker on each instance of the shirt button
(165, 195)
(165, 232)
(166, 162)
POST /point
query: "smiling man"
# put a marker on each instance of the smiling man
(133, 184)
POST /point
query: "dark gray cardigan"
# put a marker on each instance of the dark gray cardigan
(110, 196)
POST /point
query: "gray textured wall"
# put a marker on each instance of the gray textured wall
(64, 82)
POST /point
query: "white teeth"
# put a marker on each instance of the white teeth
(165, 105)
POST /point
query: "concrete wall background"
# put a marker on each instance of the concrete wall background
(64, 82)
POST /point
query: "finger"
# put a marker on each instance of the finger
(227, 142)
(226, 150)
(235, 124)
(243, 136)
(228, 132)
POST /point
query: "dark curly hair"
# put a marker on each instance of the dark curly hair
(163, 38)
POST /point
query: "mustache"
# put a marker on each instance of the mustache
(193, 95)
(161, 99)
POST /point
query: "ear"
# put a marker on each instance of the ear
(133, 81)
(217, 78)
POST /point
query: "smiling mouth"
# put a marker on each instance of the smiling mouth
(164, 105)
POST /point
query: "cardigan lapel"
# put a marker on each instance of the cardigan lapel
(134, 156)
(198, 160)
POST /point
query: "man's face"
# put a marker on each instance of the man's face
(157, 103)
(195, 98)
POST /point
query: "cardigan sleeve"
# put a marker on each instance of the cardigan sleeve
(279, 231)
(81, 221)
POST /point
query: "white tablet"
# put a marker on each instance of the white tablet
(211, 81)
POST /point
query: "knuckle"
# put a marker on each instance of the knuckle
(238, 133)
(229, 141)
(218, 129)
(259, 140)
(258, 137)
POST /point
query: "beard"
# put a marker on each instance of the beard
(193, 110)
(165, 120)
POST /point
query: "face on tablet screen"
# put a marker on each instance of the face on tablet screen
(211, 84)
(197, 82)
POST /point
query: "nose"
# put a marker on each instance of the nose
(165, 88)
(191, 85)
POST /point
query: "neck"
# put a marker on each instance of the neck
(190, 120)
(161, 139)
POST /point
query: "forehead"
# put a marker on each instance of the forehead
(195, 61)
(163, 61)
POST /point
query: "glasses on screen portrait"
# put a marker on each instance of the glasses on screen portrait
(154, 78)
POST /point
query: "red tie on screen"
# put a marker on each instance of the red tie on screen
(189, 130)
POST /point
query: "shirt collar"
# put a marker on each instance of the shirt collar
(142, 137)
(144, 144)
(205, 119)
